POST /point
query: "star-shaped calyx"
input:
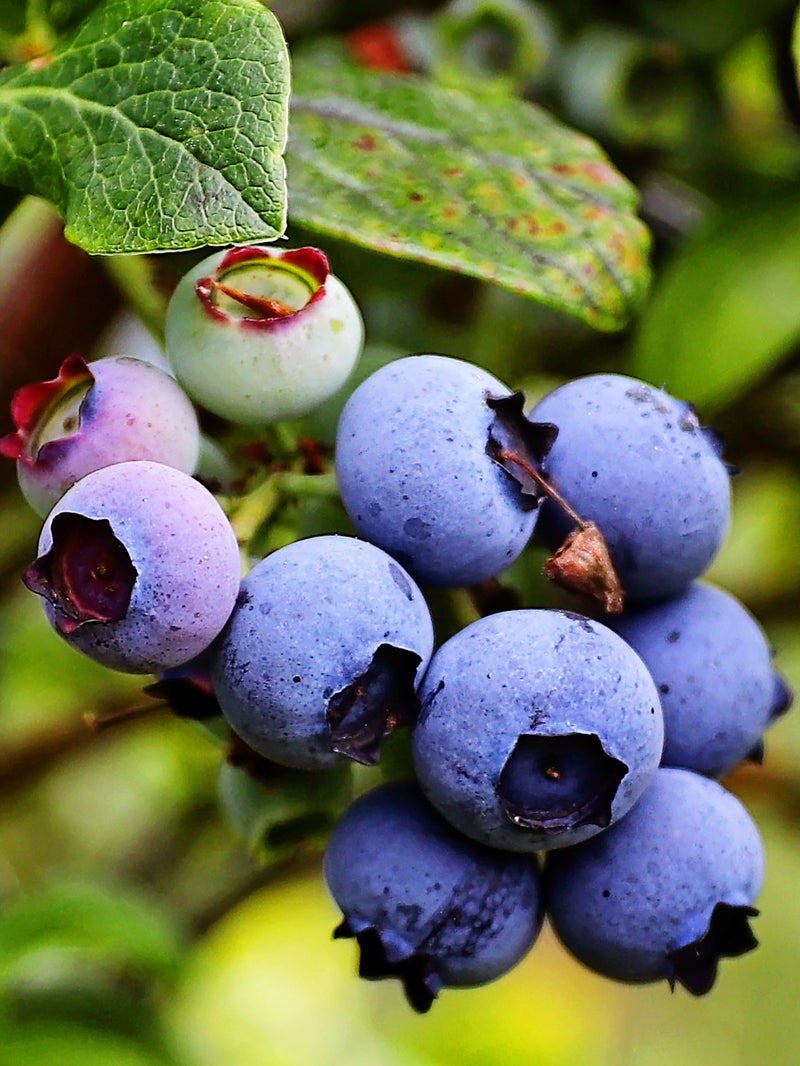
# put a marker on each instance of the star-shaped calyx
(374, 704)
(728, 935)
(383, 955)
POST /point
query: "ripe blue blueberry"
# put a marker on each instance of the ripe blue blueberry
(713, 667)
(538, 729)
(258, 334)
(665, 893)
(95, 414)
(426, 904)
(417, 474)
(638, 463)
(323, 652)
(138, 567)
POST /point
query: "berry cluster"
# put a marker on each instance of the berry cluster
(565, 762)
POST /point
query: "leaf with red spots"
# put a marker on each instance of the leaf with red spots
(493, 188)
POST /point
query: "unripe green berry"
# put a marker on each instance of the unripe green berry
(259, 335)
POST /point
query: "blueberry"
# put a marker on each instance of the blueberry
(425, 904)
(259, 334)
(713, 667)
(416, 474)
(638, 463)
(538, 729)
(665, 893)
(138, 567)
(323, 652)
(95, 414)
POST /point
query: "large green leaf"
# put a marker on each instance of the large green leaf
(728, 308)
(492, 187)
(160, 125)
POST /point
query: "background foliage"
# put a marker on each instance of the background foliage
(139, 922)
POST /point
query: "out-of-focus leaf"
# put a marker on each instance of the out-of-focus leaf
(706, 26)
(285, 808)
(494, 188)
(268, 987)
(12, 16)
(759, 560)
(107, 926)
(504, 46)
(158, 126)
(75, 992)
(58, 14)
(728, 309)
(71, 1045)
(618, 83)
(65, 13)
(69, 683)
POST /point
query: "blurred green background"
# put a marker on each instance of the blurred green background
(157, 908)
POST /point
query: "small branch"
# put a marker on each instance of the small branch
(99, 722)
(583, 563)
(22, 764)
(306, 486)
(541, 481)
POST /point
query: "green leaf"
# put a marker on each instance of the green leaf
(12, 16)
(760, 559)
(704, 27)
(728, 308)
(65, 13)
(285, 810)
(17, 15)
(494, 188)
(51, 1044)
(104, 925)
(159, 126)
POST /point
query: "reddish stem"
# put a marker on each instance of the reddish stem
(98, 722)
(261, 304)
(543, 483)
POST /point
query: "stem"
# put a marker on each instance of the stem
(36, 14)
(306, 486)
(261, 304)
(134, 277)
(544, 485)
(284, 439)
(248, 513)
(453, 609)
(98, 722)
(583, 563)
